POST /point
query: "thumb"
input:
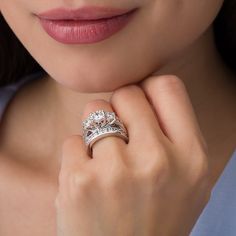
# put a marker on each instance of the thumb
(73, 153)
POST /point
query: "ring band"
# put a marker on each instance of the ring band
(101, 124)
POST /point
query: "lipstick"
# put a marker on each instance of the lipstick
(84, 25)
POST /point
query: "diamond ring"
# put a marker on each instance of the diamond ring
(101, 124)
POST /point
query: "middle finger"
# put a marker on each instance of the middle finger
(132, 106)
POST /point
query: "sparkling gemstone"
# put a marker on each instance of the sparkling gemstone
(98, 117)
(110, 116)
(87, 123)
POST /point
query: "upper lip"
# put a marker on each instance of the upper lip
(83, 13)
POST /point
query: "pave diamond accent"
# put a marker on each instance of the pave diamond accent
(111, 117)
(105, 130)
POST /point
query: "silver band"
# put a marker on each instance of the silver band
(101, 124)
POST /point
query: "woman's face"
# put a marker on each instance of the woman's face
(157, 32)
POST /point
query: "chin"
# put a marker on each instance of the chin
(90, 84)
(92, 88)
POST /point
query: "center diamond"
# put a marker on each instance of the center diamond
(98, 118)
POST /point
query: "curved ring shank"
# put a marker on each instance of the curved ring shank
(103, 133)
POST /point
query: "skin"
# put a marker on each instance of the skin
(182, 47)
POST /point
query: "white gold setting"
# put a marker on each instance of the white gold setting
(101, 124)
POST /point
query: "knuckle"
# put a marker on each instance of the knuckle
(154, 178)
(201, 173)
(125, 92)
(81, 181)
(80, 185)
(204, 146)
(200, 145)
(169, 82)
(155, 171)
(159, 154)
(203, 166)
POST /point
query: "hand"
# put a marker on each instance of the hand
(156, 185)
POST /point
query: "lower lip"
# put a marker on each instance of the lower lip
(84, 31)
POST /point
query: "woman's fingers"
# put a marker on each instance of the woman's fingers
(172, 104)
(162, 112)
(144, 185)
(132, 106)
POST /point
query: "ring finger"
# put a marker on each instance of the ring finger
(109, 145)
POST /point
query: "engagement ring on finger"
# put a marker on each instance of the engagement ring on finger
(101, 124)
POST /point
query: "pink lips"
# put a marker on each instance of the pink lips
(84, 25)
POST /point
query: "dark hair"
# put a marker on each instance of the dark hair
(16, 62)
(225, 33)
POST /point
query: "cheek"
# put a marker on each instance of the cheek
(177, 24)
(161, 29)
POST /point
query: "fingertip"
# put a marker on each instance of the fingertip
(125, 93)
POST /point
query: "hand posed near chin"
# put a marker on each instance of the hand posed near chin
(156, 185)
